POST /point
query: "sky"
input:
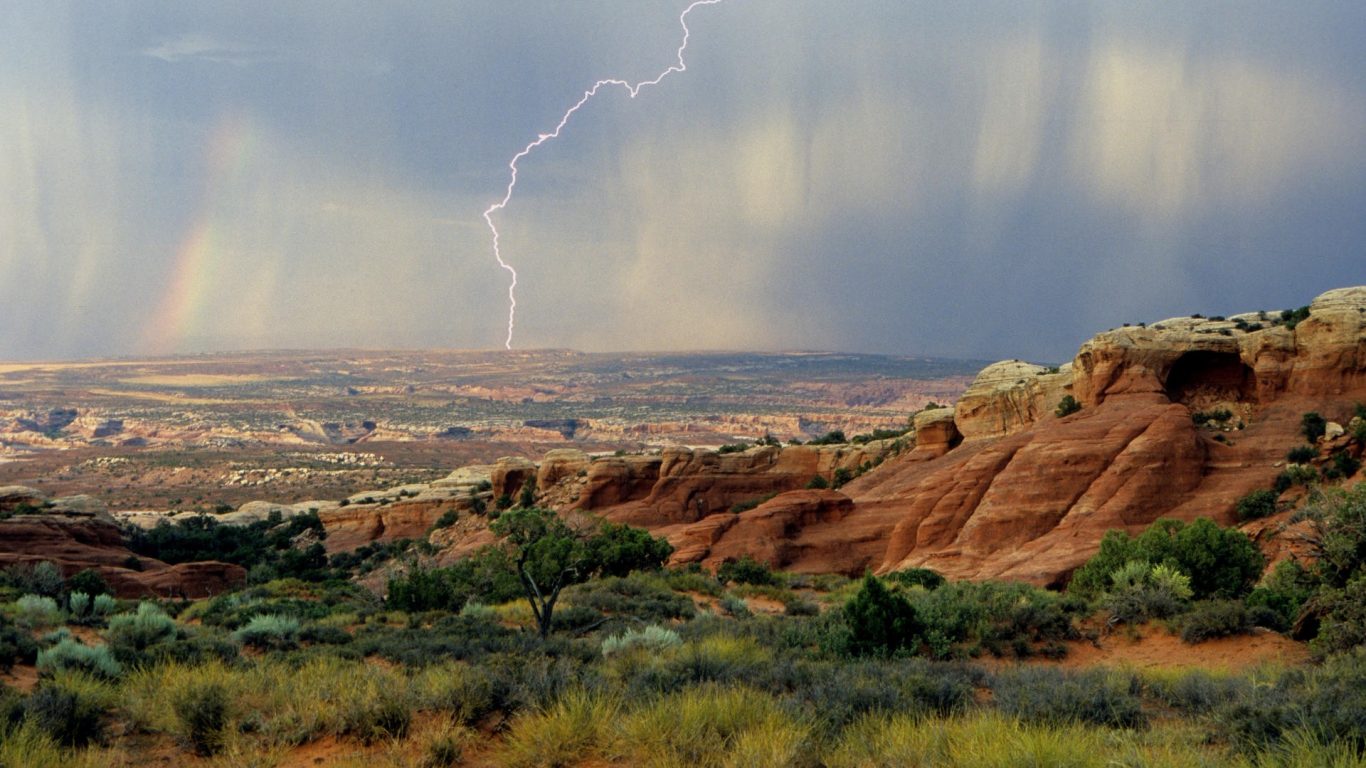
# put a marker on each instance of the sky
(972, 179)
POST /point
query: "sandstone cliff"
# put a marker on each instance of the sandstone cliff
(1028, 494)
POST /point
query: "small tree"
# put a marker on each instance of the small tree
(549, 555)
(880, 622)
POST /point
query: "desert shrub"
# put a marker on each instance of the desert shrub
(799, 606)
(734, 606)
(1256, 505)
(465, 692)
(691, 579)
(1049, 695)
(834, 694)
(834, 437)
(916, 577)
(575, 727)
(1067, 406)
(880, 622)
(78, 606)
(1302, 454)
(817, 483)
(270, 632)
(202, 714)
(733, 448)
(448, 518)
(140, 630)
(72, 655)
(633, 597)
(1344, 464)
(67, 712)
(88, 581)
(1325, 704)
(992, 614)
(42, 578)
(840, 477)
(1295, 474)
(103, 605)
(1221, 562)
(1140, 592)
(654, 639)
(710, 726)
(1277, 602)
(746, 570)
(1215, 618)
(323, 634)
(1313, 426)
(37, 612)
(16, 646)
(1195, 692)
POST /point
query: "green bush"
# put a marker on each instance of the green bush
(817, 483)
(1140, 591)
(1256, 505)
(880, 622)
(270, 632)
(69, 654)
(621, 549)
(88, 581)
(1313, 426)
(133, 633)
(746, 570)
(202, 714)
(1057, 697)
(1221, 562)
(16, 646)
(1215, 618)
(37, 612)
(1302, 454)
(634, 597)
(916, 577)
(654, 639)
(1067, 406)
(68, 714)
(1344, 464)
(42, 578)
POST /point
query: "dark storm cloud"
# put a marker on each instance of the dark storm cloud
(975, 179)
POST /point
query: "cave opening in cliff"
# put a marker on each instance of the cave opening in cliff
(1201, 378)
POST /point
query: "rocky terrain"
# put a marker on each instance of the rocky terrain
(1180, 418)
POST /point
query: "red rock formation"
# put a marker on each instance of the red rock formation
(1029, 495)
(77, 543)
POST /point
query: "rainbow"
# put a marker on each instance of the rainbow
(181, 311)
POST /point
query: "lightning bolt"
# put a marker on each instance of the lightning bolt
(633, 90)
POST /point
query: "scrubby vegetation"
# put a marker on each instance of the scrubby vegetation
(641, 665)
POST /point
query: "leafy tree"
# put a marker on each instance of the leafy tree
(880, 622)
(549, 555)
